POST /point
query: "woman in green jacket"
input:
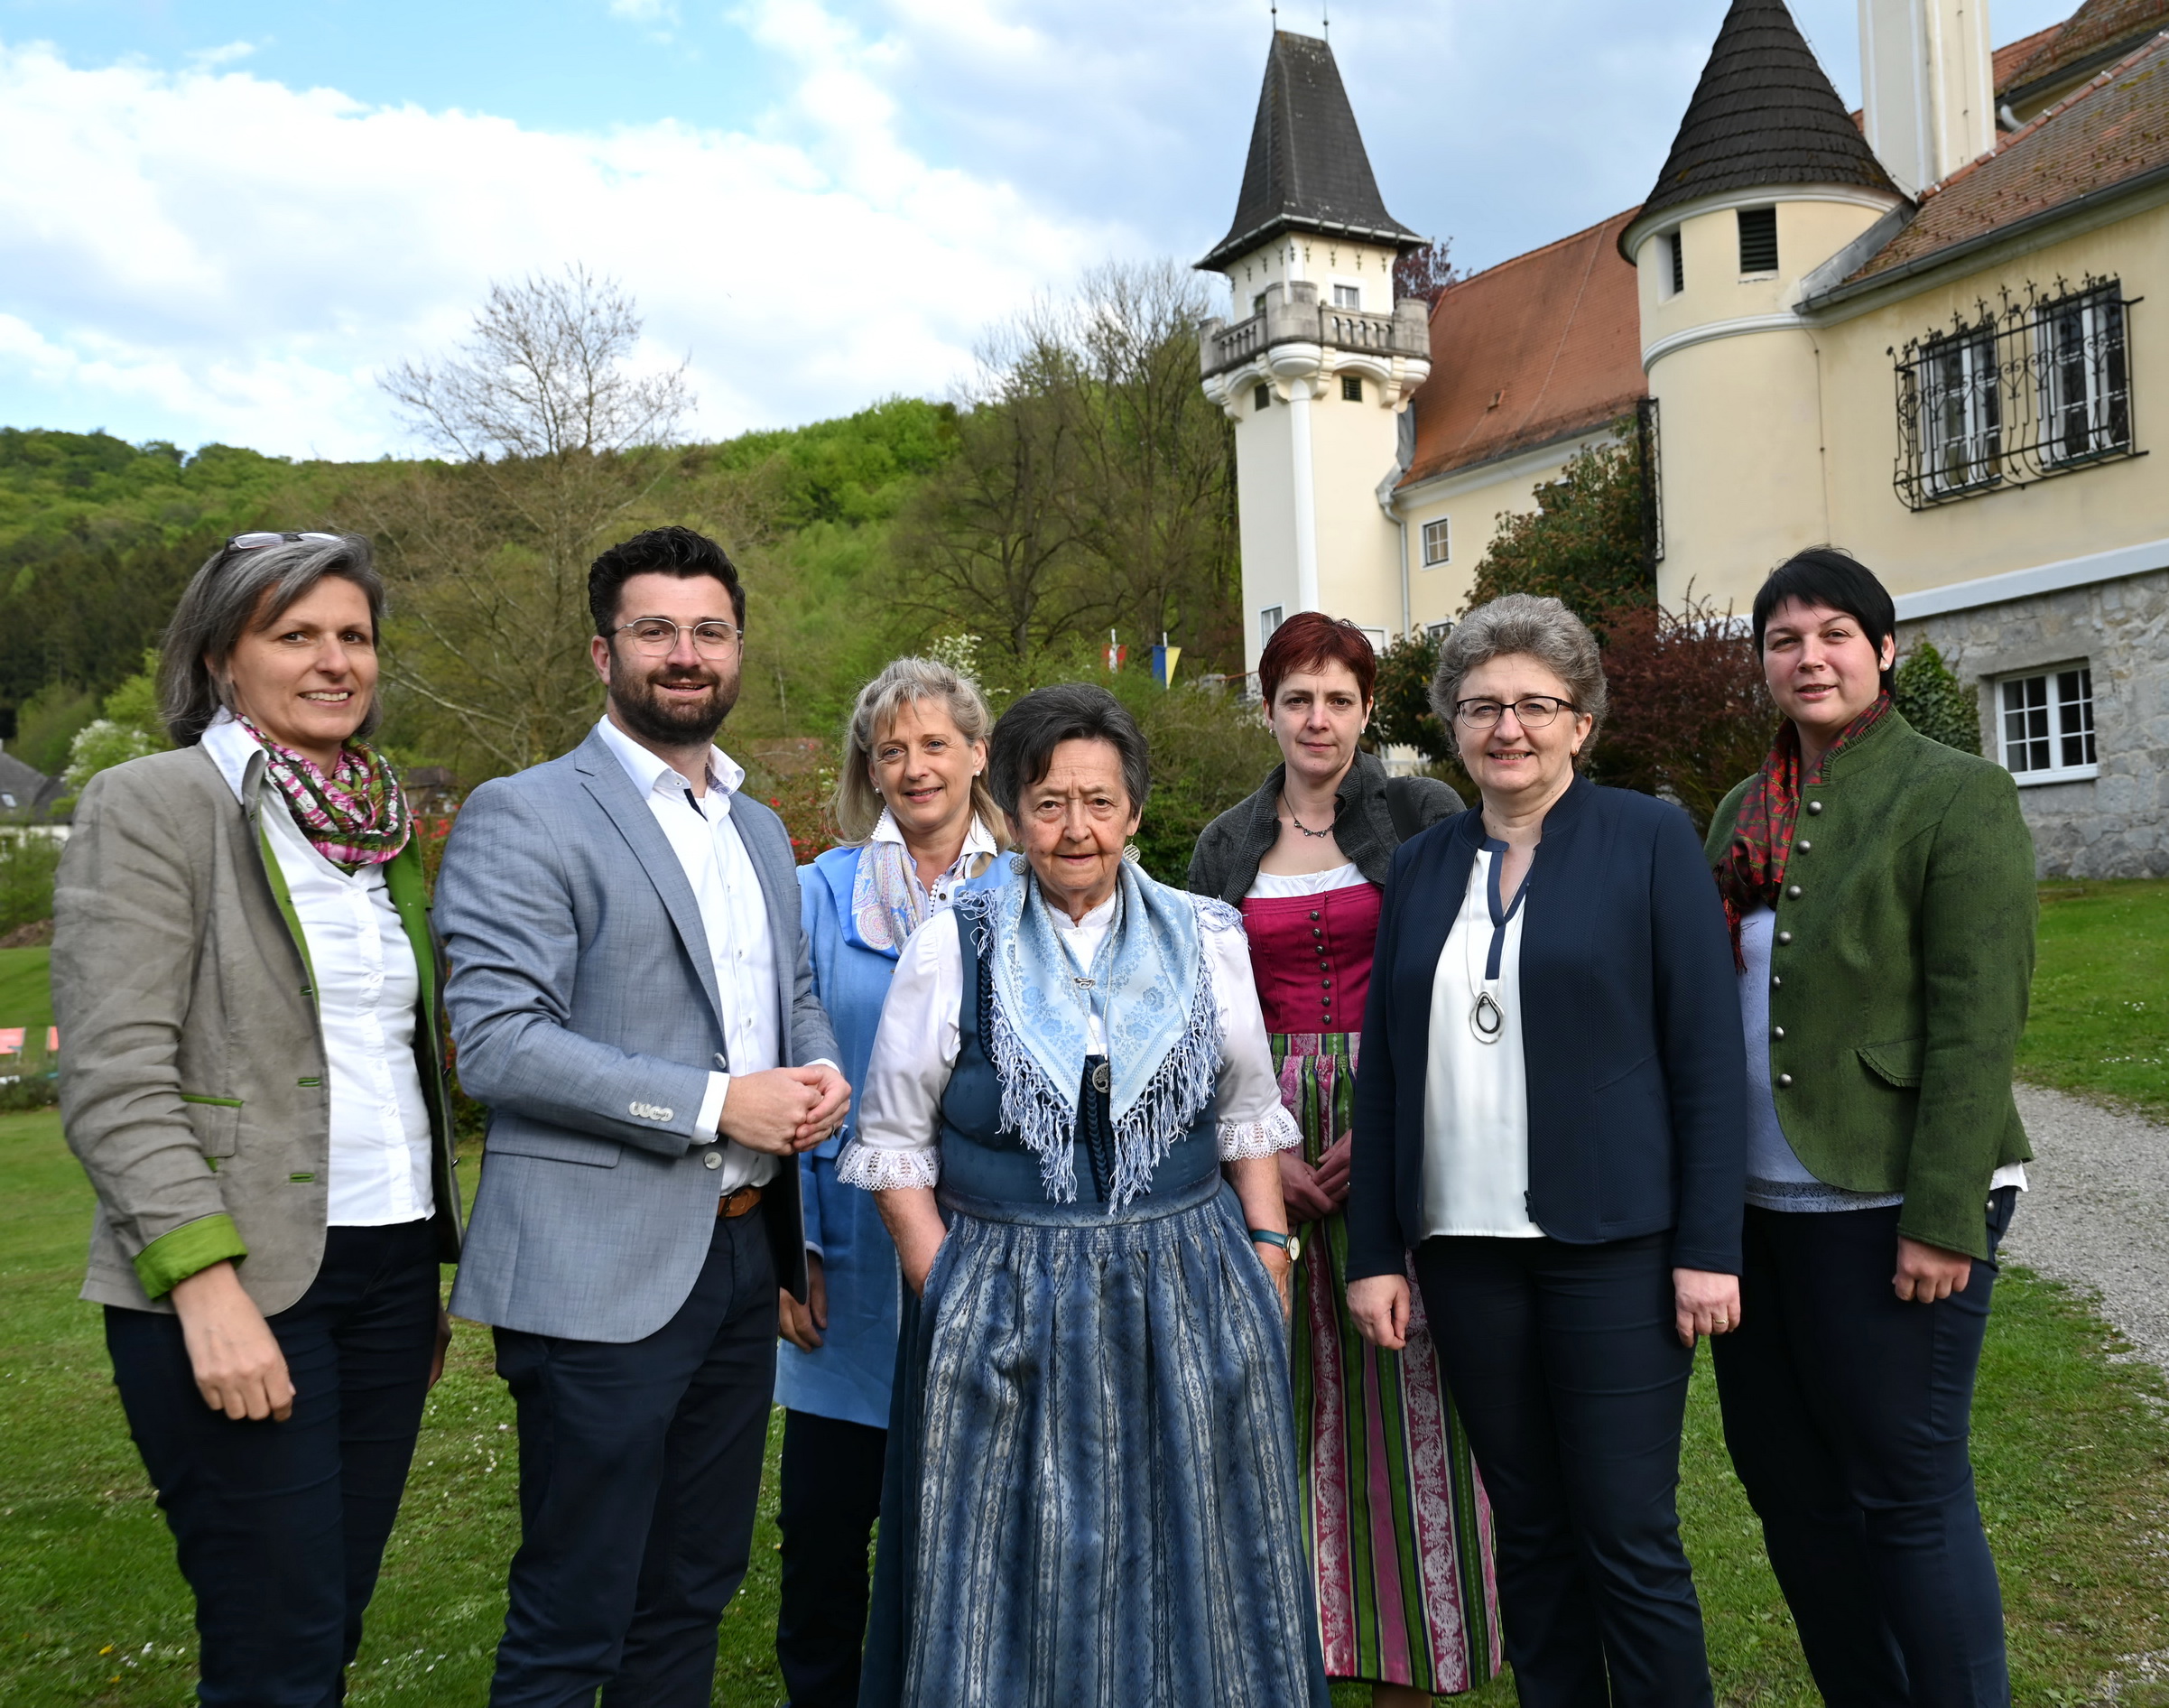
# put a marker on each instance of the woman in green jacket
(1880, 888)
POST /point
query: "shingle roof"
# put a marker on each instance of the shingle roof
(1537, 348)
(2097, 33)
(1764, 114)
(2114, 129)
(1307, 169)
(2013, 57)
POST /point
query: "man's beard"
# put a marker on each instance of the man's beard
(671, 723)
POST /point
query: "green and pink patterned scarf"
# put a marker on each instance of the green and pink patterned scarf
(356, 817)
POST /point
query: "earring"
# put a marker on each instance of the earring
(1019, 864)
(1129, 853)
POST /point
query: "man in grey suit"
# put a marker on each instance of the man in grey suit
(631, 996)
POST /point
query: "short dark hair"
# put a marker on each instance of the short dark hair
(1310, 640)
(1026, 734)
(1830, 576)
(672, 550)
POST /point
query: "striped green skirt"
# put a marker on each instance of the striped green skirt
(1395, 1523)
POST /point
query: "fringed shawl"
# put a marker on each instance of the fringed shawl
(1157, 1009)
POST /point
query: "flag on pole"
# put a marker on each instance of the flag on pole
(1118, 655)
(1165, 659)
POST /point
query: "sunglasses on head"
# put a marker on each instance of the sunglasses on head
(258, 542)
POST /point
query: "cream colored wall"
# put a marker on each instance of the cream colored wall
(2100, 508)
(1808, 234)
(1324, 262)
(1266, 511)
(1471, 499)
(1352, 449)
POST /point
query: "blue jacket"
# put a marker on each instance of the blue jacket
(849, 1377)
(1637, 1069)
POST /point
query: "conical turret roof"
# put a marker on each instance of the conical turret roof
(1307, 170)
(1763, 115)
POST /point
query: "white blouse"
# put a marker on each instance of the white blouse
(897, 1141)
(1476, 1094)
(1273, 885)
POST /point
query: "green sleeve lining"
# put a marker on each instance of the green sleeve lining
(194, 1246)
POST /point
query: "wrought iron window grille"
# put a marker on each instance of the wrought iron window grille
(2026, 389)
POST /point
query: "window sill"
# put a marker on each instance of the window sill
(2069, 773)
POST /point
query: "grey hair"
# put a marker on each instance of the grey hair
(235, 592)
(905, 682)
(1539, 628)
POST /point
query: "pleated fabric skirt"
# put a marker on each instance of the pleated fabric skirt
(1100, 1507)
(1394, 1519)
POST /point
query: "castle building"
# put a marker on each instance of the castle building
(1918, 332)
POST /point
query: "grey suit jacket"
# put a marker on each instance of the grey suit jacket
(583, 1004)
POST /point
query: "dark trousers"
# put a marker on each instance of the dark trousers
(1846, 1412)
(280, 1527)
(639, 1467)
(830, 1497)
(1566, 1369)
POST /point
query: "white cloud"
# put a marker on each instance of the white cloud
(218, 255)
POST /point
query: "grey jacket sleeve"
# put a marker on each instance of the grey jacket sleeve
(506, 909)
(813, 1039)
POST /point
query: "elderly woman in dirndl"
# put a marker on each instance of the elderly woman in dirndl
(1071, 1120)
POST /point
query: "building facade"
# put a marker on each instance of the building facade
(1919, 332)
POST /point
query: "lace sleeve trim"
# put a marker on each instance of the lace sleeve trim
(1276, 1133)
(884, 1170)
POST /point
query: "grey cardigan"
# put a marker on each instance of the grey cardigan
(192, 1084)
(1224, 863)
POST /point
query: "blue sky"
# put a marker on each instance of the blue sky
(224, 219)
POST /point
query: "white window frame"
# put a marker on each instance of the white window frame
(1269, 618)
(1348, 296)
(1442, 537)
(2052, 709)
(2097, 320)
(1961, 411)
(1436, 633)
(1379, 638)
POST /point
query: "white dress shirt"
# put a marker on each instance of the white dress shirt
(733, 914)
(368, 993)
(897, 1143)
(1476, 1095)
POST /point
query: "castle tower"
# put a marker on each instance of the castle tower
(1767, 181)
(1319, 360)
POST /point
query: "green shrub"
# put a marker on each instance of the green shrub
(1934, 701)
(27, 863)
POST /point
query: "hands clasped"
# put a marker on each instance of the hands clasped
(785, 1111)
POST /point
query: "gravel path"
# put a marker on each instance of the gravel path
(2097, 1215)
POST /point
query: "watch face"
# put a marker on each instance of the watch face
(1294, 1248)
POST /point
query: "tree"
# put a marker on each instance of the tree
(1934, 701)
(1690, 715)
(1403, 716)
(1428, 273)
(546, 423)
(1583, 544)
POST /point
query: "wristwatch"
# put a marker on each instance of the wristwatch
(1290, 1243)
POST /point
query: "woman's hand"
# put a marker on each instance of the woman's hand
(444, 1345)
(1704, 1302)
(1379, 1303)
(1928, 1273)
(802, 1325)
(914, 1222)
(238, 1367)
(1280, 1270)
(1300, 1191)
(1334, 1169)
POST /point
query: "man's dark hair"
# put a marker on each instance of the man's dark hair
(1825, 575)
(1026, 734)
(672, 550)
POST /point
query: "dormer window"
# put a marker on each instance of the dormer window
(1757, 241)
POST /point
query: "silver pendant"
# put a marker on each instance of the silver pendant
(1103, 1076)
(1487, 1019)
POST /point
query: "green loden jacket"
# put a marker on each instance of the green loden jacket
(1902, 955)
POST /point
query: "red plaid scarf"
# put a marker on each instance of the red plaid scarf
(1762, 835)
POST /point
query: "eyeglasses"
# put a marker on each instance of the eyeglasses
(657, 637)
(1532, 713)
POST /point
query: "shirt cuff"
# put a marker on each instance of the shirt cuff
(191, 1249)
(883, 1169)
(711, 1108)
(1269, 1138)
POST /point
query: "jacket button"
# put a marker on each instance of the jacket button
(1313, 912)
(1775, 979)
(1804, 847)
(1793, 890)
(1814, 809)
(1784, 1081)
(714, 1159)
(1783, 937)
(1777, 1032)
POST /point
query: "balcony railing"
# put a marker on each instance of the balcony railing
(1306, 320)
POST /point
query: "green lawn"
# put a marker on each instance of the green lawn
(25, 997)
(2072, 1449)
(2100, 1014)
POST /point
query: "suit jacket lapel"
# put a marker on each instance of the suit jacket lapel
(613, 792)
(1445, 887)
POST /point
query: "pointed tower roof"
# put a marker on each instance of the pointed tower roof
(1307, 170)
(1763, 115)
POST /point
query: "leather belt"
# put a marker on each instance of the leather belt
(733, 1204)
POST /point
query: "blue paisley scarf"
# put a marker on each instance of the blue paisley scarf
(1155, 997)
(888, 902)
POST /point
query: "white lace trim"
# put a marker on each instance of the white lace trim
(1276, 1133)
(883, 1169)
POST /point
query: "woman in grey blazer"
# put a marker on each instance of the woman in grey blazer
(244, 969)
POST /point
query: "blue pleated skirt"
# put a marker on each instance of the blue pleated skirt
(1092, 1493)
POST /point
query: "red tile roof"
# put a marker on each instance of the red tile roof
(1537, 348)
(2012, 57)
(2115, 128)
(2097, 27)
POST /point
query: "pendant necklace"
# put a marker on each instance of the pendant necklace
(1316, 836)
(1487, 1018)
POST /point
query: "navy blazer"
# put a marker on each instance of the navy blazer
(1637, 1069)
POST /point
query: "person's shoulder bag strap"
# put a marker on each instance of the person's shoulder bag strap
(1401, 807)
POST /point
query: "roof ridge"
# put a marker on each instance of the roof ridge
(1624, 215)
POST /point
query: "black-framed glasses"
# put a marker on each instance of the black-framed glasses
(1531, 712)
(657, 637)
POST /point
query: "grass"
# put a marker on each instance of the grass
(2100, 1015)
(2072, 1449)
(25, 997)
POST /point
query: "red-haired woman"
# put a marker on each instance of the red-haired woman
(1397, 1530)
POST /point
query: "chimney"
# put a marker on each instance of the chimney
(1925, 87)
